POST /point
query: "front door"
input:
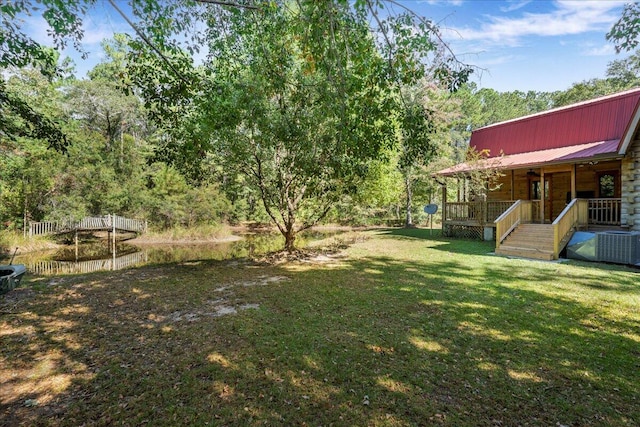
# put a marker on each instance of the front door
(557, 194)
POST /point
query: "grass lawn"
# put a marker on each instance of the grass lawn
(401, 329)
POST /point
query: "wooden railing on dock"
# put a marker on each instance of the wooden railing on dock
(104, 223)
(71, 267)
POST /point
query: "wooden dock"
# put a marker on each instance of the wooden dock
(111, 223)
(70, 267)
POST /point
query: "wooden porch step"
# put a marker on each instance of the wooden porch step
(533, 253)
(522, 238)
(533, 244)
(529, 241)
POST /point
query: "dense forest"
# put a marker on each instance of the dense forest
(132, 138)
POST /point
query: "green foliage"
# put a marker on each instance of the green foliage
(173, 202)
(297, 97)
(18, 49)
(105, 168)
(101, 107)
(583, 91)
(18, 117)
(26, 184)
(624, 33)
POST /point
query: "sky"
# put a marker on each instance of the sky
(528, 44)
(524, 45)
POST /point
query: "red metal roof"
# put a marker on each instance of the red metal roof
(582, 152)
(601, 119)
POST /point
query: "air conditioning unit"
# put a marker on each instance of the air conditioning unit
(620, 247)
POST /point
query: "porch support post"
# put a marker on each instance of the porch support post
(444, 202)
(543, 195)
(513, 184)
(574, 193)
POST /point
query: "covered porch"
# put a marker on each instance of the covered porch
(549, 188)
(558, 198)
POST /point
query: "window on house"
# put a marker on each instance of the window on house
(607, 185)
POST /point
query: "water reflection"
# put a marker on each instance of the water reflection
(99, 256)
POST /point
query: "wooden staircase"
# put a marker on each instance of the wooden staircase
(529, 241)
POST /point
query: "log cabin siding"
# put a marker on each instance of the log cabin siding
(503, 192)
(559, 183)
(587, 176)
(560, 187)
(630, 216)
(586, 182)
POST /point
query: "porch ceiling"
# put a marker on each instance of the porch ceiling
(553, 156)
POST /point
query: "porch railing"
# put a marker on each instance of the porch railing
(605, 211)
(481, 212)
(520, 212)
(576, 213)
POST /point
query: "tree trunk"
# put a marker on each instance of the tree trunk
(25, 211)
(289, 240)
(409, 193)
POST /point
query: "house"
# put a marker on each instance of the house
(574, 167)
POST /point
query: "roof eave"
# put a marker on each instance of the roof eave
(631, 129)
(595, 158)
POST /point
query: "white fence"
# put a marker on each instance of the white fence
(108, 222)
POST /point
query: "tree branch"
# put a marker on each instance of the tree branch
(148, 42)
(229, 4)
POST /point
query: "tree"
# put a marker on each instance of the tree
(17, 50)
(625, 32)
(298, 97)
(19, 118)
(625, 73)
(422, 136)
(101, 107)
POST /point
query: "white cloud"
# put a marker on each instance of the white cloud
(443, 2)
(96, 28)
(515, 5)
(567, 18)
(102, 23)
(604, 50)
(36, 28)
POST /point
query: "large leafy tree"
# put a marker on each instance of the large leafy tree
(443, 112)
(296, 95)
(299, 97)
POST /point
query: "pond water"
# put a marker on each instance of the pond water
(98, 256)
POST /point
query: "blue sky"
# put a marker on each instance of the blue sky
(528, 44)
(522, 45)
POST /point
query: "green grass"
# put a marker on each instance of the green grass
(12, 240)
(195, 233)
(405, 329)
